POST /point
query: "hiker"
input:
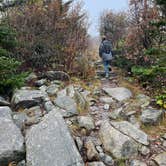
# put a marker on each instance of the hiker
(105, 52)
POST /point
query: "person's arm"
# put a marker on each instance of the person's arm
(101, 50)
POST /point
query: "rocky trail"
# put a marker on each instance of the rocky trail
(102, 123)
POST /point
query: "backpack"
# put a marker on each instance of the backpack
(107, 47)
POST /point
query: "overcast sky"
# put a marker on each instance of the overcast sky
(95, 8)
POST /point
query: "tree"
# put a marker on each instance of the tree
(113, 25)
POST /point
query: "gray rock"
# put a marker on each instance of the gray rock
(118, 93)
(68, 104)
(106, 106)
(108, 160)
(31, 77)
(137, 163)
(52, 90)
(86, 122)
(81, 101)
(96, 164)
(134, 121)
(43, 88)
(3, 102)
(19, 119)
(50, 142)
(116, 143)
(144, 150)
(79, 143)
(11, 142)
(116, 113)
(99, 149)
(27, 98)
(151, 116)
(92, 153)
(160, 159)
(49, 106)
(41, 82)
(57, 75)
(131, 131)
(21, 163)
(5, 112)
(107, 100)
(143, 100)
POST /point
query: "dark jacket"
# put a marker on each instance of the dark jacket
(105, 48)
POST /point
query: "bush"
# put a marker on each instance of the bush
(123, 63)
(9, 78)
(51, 33)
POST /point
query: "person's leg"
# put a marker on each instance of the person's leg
(106, 68)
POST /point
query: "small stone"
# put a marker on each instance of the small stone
(52, 90)
(49, 106)
(96, 164)
(43, 88)
(92, 153)
(137, 163)
(40, 82)
(19, 119)
(99, 149)
(86, 122)
(108, 160)
(21, 163)
(106, 107)
(144, 150)
(107, 100)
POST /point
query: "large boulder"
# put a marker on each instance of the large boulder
(68, 104)
(11, 142)
(160, 159)
(5, 112)
(151, 116)
(57, 75)
(50, 142)
(119, 93)
(131, 131)
(116, 143)
(27, 98)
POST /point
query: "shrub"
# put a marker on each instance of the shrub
(51, 33)
(9, 77)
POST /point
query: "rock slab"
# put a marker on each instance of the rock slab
(116, 143)
(151, 116)
(11, 142)
(131, 131)
(27, 98)
(50, 142)
(119, 93)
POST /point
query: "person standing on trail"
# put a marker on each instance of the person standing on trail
(105, 52)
